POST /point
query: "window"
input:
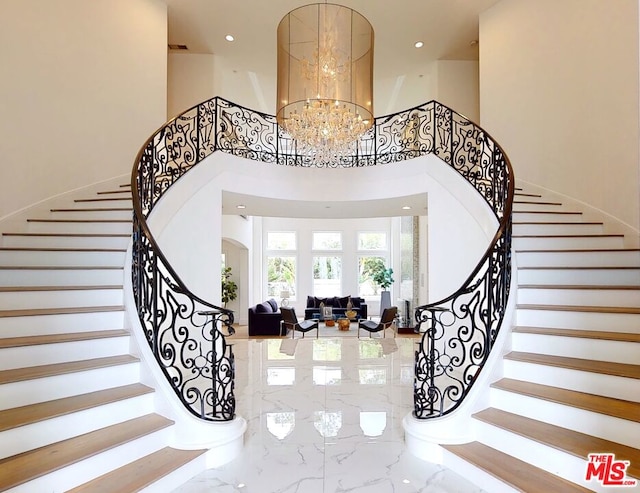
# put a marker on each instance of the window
(372, 241)
(329, 240)
(367, 266)
(281, 240)
(327, 276)
(281, 276)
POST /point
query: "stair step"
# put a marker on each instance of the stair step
(63, 240)
(602, 367)
(618, 257)
(109, 192)
(11, 342)
(556, 242)
(587, 334)
(59, 311)
(607, 406)
(33, 413)
(102, 199)
(141, 473)
(47, 275)
(619, 296)
(90, 212)
(24, 467)
(113, 226)
(595, 276)
(582, 308)
(572, 442)
(612, 318)
(54, 256)
(514, 472)
(24, 297)
(535, 228)
(42, 371)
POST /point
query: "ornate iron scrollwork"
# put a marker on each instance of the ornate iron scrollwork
(185, 333)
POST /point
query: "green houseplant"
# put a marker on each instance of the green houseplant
(383, 277)
(229, 287)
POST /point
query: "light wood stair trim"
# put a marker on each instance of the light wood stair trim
(535, 202)
(9, 342)
(33, 464)
(61, 249)
(102, 199)
(109, 192)
(558, 223)
(582, 334)
(79, 221)
(580, 250)
(94, 209)
(583, 308)
(141, 473)
(593, 366)
(33, 372)
(61, 267)
(516, 473)
(72, 235)
(569, 441)
(584, 267)
(23, 289)
(525, 194)
(607, 406)
(586, 287)
(548, 212)
(35, 413)
(598, 235)
(59, 311)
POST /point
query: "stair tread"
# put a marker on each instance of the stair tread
(94, 209)
(73, 235)
(79, 220)
(24, 467)
(59, 311)
(514, 472)
(548, 212)
(580, 250)
(583, 267)
(569, 441)
(558, 223)
(34, 413)
(585, 334)
(140, 473)
(17, 289)
(582, 308)
(33, 372)
(594, 235)
(605, 287)
(103, 199)
(609, 406)
(60, 249)
(61, 267)
(536, 202)
(594, 366)
(8, 342)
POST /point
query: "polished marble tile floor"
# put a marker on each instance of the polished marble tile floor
(325, 416)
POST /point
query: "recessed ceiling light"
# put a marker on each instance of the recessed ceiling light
(228, 37)
(419, 44)
(406, 208)
(241, 206)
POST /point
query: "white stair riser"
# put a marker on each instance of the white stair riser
(18, 440)
(123, 200)
(581, 381)
(475, 475)
(45, 354)
(69, 227)
(27, 392)
(99, 213)
(66, 241)
(61, 277)
(589, 277)
(92, 467)
(620, 322)
(533, 217)
(57, 324)
(535, 205)
(61, 258)
(19, 300)
(576, 347)
(557, 229)
(547, 458)
(559, 243)
(579, 297)
(572, 418)
(621, 258)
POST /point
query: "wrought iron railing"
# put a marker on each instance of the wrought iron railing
(189, 346)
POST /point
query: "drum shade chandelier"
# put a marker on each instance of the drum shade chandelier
(325, 80)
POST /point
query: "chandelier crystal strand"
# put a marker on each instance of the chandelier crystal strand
(325, 81)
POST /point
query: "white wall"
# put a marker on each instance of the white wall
(559, 91)
(458, 87)
(191, 80)
(83, 85)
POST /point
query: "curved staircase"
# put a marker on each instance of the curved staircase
(74, 415)
(571, 383)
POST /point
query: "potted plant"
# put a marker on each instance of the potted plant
(383, 277)
(229, 287)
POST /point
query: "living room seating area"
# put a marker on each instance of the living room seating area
(264, 319)
(338, 305)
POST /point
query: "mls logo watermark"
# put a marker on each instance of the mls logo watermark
(608, 471)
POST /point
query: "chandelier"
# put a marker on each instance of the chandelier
(325, 80)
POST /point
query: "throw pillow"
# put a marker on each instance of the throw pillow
(274, 305)
(264, 308)
(318, 301)
(343, 301)
(311, 302)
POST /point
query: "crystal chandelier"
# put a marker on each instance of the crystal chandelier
(325, 80)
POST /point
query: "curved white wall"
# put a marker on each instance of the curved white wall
(188, 225)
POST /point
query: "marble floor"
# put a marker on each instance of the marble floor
(325, 416)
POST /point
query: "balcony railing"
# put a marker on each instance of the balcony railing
(186, 333)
